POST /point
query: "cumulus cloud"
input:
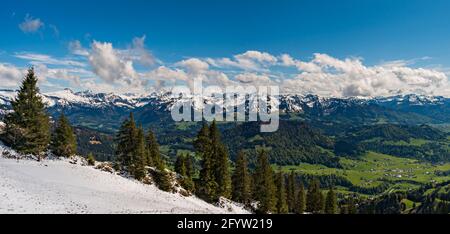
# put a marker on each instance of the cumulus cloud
(76, 48)
(194, 65)
(10, 76)
(329, 76)
(252, 78)
(250, 60)
(31, 25)
(140, 53)
(108, 65)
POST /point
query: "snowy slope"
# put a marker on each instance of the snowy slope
(56, 186)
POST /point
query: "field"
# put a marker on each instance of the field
(374, 169)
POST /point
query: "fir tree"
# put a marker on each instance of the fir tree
(314, 197)
(181, 168)
(265, 190)
(300, 201)
(282, 206)
(220, 161)
(28, 126)
(241, 180)
(162, 178)
(64, 142)
(126, 143)
(189, 164)
(139, 156)
(290, 191)
(331, 202)
(207, 185)
(154, 157)
(223, 175)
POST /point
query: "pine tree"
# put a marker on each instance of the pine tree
(290, 191)
(300, 201)
(154, 157)
(28, 126)
(314, 197)
(189, 164)
(220, 161)
(126, 143)
(181, 165)
(223, 175)
(241, 180)
(282, 206)
(207, 185)
(64, 142)
(331, 202)
(265, 190)
(139, 156)
(162, 178)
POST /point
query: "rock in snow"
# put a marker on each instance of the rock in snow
(56, 186)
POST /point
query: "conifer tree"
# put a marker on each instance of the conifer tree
(265, 190)
(64, 142)
(207, 185)
(282, 206)
(300, 201)
(28, 126)
(220, 161)
(189, 164)
(162, 178)
(154, 157)
(331, 202)
(314, 197)
(223, 175)
(241, 180)
(181, 168)
(126, 143)
(290, 191)
(139, 155)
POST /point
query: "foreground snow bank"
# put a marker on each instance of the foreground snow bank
(57, 186)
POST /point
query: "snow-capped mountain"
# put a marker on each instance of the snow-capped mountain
(107, 110)
(287, 103)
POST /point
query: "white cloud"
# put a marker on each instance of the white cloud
(108, 65)
(31, 25)
(76, 48)
(250, 60)
(163, 73)
(140, 53)
(328, 76)
(194, 65)
(10, 76)
(252, 78)
(36, 59)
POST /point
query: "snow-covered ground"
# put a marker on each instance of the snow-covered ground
(57, 186)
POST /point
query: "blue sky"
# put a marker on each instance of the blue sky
(409, 34)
